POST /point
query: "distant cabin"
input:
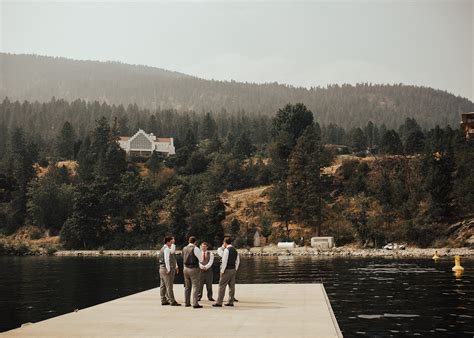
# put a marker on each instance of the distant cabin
(468, 124)
(143, 145)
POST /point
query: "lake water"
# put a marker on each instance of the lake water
(370, 296)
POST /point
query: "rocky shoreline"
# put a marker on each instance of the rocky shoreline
(301, 251)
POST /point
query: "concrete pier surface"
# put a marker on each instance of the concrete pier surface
(263, 310)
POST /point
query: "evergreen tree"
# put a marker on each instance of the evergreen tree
(415, 142)
(123, 128)
(154, 163)
(439, 183)
(113, 164)
(215, 214)
(391, 143)
(85, 226)
(24, 155)
(280, 204)
(101, 137)
(305, 188)
(243, 147)
(209, 127)
(358, 140)
(49, 203)
(65, 142)
(86, 162)
(176, 212)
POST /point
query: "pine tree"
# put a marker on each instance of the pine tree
(176, 212)
(101, 137)
(154, 163)
(24, 155)
(439, 184)
(65, 142)
(280, 204)
(209, 127)
(391, 143)
(243, 147)
(305, 187)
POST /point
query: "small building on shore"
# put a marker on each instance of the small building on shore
(468, 125)
(143, 145)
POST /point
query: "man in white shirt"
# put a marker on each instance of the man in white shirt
(220, 253)
(229, 266)
(206, 272)
(168, 269)
(192, 256)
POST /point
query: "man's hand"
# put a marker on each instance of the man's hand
(177, 270)
(204, 269)
(222, 274)
(168, 272)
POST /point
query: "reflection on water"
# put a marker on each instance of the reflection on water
(371, 297)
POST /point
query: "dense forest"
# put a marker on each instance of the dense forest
(39, 78)
(405, 184)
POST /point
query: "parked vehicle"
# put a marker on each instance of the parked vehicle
(394, 246)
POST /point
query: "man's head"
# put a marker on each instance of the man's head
(227, 241)
(192, 240)
(168, 240)
(204, 246)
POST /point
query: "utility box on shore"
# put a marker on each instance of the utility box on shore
(286, 245)
(322, 242)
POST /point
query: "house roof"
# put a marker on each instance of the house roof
(123, 138)
(163, 139)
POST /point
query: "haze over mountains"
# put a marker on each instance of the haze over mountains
(38, 78)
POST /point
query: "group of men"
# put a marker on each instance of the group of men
(197, 271)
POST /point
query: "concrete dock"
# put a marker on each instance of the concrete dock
(263, 310)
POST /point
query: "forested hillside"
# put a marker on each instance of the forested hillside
(39, 78)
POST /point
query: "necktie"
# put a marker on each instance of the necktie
(204, 256)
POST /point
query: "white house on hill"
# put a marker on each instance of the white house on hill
(143, 145)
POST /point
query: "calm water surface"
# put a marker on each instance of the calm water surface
(370, 297)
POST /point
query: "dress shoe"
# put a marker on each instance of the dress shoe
(165, 303)
(188, 305)
(235, 300)
(229, 304)
(175, 304)
(212, 299)
(217, 305)
(197, 306)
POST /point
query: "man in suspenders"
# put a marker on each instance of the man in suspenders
(192, 256)
(229, 266)
(168, 269)
(206, 272)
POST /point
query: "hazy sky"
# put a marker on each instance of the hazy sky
(301, 43)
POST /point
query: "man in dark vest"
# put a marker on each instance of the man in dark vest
(229, 266)
(168, 269)
(206, 272)
(192, 256)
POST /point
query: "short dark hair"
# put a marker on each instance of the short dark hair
(204, 243)
(227, 240)
(192, 239)
(168, 239)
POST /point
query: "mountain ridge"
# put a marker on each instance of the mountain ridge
(38, 78)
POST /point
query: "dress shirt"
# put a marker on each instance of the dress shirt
(197, 252)
(211, 260)
(225, 257)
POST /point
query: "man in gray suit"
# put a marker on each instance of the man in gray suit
(206, 272)
(229, 266)
(168, 269)
(192, 256)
